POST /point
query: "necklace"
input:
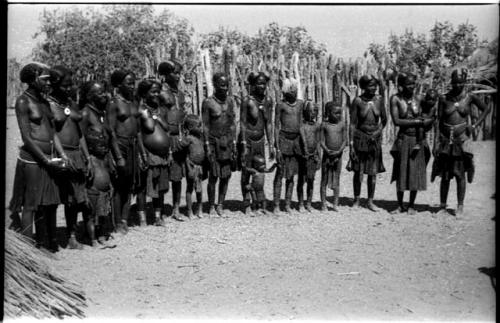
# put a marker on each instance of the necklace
(119, 96)
(99, 113)
(32, 96)
(218, 101)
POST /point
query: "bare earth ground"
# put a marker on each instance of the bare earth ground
(341, 266)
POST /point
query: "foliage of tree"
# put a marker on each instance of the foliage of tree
(269, 41)
(14, 86)
(444, 46)
(94, 43)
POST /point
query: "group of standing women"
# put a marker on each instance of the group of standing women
(94, 155)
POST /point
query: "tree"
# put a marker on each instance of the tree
(94, 43)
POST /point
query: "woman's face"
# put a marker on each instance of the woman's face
(221, 87)
(42, 82)
(173, 77)
(97, 96)
(65, 86)
(260, 85)
(153, 95)
(128, 85)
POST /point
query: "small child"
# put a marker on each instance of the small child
(195, 162)
(256, 186)
(309, 163)
(427, 106)
(333, 141)
(97, 216)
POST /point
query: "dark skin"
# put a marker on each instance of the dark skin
(122, 113)
(193, 142)
(288, 116)
(171, 101)
(94, 119)
(156, 140)
(333, 142)
(69, 133)
(311, 141)
(454, 108)
(400, 104)
(258, 177)
(211, 114)
(39, 138)
(368, 115)
(250, 113)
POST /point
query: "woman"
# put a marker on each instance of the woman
(66, 118)
(157, 143)
(256, 125)
(220, 140)
(95, 128)
(128, 151)
(452, 143)
(35, 189)
(368, 119)
(172, 102)
(409, 170)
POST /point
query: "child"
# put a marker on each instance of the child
(333, 141)
(427, 106)
(256, 186)
(195, 162)
(309, 162)
(98, 214)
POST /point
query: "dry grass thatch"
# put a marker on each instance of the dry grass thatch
(32, 287)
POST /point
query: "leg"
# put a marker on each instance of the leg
(89, 217)
(310, 187)
(461, 188)
(371, 183)
(199, 199)
(322, 188)
(288, 194)
(27, 223)
(158, 206)
(356, 183)
(71, 214)
(141, 208)
(411, 206)
(212, 181)
(300, 191)
(223, 184)
(245, 189)
(176, 200)
(400, 195)
(51, 222)
(189, 197)
(278, 177)
(443, 194)
(121, 208)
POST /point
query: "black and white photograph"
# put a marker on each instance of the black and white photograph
(189, 162)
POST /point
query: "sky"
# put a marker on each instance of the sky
(346, 30)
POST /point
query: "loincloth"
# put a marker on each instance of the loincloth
(331, 168)
(309, 166)
(34, 185)
(454, 157)
(100, 203)
(72, 182)
(196, 174)
(409, 170)
(368, 151)
(223, 162)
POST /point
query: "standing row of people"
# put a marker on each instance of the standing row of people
(95, 155)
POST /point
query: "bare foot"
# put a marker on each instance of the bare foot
(355, 205)
(248, 210)
(442, 211)
(459, 213)
(211, 211)
(159, 222)
(399, 210)
(301, 207)
(372, 207)
(288, 210)
(73, 244)
(276, 210)
(335, 207)
(220, 211)
(198, 212)
(308, 207)
(412, 211)
(189, 215)
(323, 207)
(177, 216)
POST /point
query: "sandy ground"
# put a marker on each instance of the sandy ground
(346, 265)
